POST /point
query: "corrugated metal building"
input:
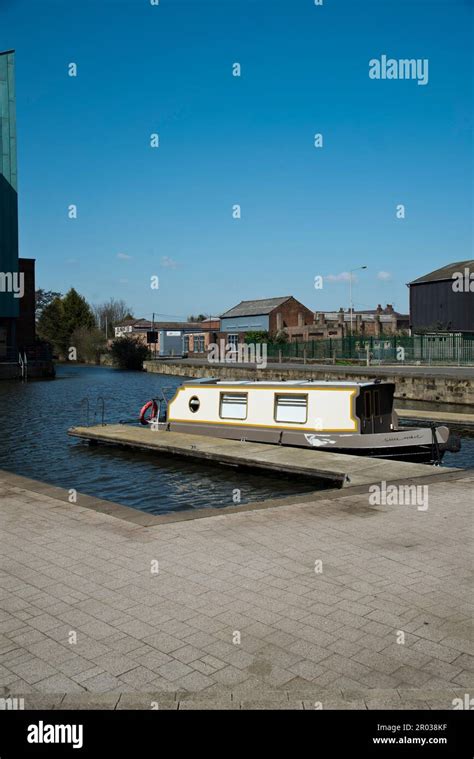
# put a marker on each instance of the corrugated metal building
(443, 300)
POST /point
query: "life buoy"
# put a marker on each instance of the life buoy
(154, 412)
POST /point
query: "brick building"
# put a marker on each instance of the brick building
(272, 315)
(172, 338)
(337, 324)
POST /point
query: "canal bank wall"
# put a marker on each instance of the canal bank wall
(36, 370)
(430, 386)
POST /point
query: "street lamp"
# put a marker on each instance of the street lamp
(358, 268)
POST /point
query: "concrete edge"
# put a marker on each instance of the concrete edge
(465, 373)
(305, 696)
(270, 468)
(143, 519)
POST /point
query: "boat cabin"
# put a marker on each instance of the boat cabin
(233, 408)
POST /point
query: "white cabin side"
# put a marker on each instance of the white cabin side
(302, 407)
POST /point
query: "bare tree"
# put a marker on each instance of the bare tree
(111, 313)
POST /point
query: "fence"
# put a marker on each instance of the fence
(424, 349)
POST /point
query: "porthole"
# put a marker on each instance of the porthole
(194, 404)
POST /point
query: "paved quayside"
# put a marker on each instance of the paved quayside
(342, 470)
(330, 637)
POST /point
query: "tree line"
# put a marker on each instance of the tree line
(70, 322)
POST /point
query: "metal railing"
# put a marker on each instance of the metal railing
(84, 407)
(446, 348)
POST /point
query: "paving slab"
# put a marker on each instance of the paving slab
(306, 637)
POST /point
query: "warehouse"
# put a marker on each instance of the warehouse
(438, 304)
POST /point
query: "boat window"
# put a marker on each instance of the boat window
(376, 403)
(291, 408)
(194, 404)
(367, 404)
(233, 406)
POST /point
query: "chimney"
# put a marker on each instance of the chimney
(389, 309)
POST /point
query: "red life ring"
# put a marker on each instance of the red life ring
(150, 405)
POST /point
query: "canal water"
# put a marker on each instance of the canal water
(35, 416)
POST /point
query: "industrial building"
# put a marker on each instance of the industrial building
(376, 322)
(271, 315)
(168, 339)
(443, 300)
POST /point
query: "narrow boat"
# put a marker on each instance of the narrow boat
(356, 418)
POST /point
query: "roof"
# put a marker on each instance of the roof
(255, 307)
(374, 311)
(446, 272)
(146, 324)
(128, 322)
(184, 326)
(283, 383)
(366, 315)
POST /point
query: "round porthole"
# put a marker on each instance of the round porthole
(194, 404)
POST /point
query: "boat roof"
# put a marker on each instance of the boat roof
(281, 383)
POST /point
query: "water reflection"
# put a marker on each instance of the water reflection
(34, 418)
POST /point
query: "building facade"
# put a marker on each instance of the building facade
(337, 324)
(168, 339)
(272, 315)
(443, 301)
(17, 275)
(9, 267)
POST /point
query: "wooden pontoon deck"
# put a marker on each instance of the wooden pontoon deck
(340, 469)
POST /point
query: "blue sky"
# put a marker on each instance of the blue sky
(244, 140)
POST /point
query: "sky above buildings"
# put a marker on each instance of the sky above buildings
(306, 211)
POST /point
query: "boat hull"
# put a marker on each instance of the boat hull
(422, 445)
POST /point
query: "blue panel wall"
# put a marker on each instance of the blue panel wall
(9, 306)
(171, 345)
(245, 323)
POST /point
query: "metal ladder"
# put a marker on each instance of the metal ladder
(23, 364)
(85, 409)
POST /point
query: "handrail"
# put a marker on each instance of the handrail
(85, 407)
(85, 403)
(100, 399)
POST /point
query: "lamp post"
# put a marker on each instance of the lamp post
(350, 290)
